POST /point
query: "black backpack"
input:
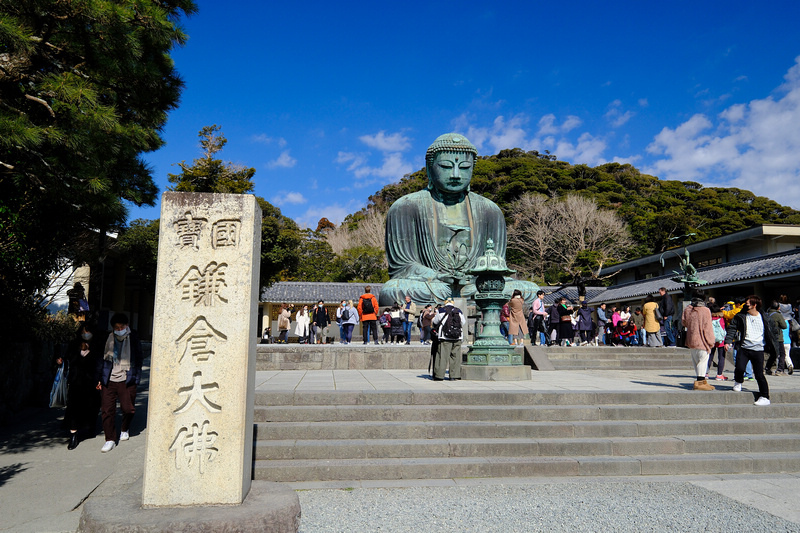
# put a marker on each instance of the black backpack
(366, 306)
(451, 329)
(346, 314)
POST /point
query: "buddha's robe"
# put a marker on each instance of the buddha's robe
(426, 239)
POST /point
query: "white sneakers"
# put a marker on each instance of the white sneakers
(124, 436)
(762, 401)
(737, 387)
(108, 446)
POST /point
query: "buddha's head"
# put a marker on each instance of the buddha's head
(449, 162)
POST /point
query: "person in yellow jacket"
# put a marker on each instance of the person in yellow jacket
(728, 316)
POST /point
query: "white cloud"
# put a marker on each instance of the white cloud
(588, 150)
(396, 142)
(393, 165)
(263, 138)
(753, 146)
(285, 197)
(283, 161)
(643, 102)
(551, 134)
(334, 212)
(615, 114)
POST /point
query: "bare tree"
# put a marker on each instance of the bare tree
(371, 231)
(529, 233)
(566, 233)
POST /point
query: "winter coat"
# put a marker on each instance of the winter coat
(699, 330)
(585, 318)
(517, 325)
(737, 331)
(651, 324)
(368, 316)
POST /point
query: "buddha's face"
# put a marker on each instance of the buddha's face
(451, 172)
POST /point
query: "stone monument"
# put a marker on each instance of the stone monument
(435, 236)
(200, 415)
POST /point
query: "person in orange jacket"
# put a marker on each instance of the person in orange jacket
(368, 311)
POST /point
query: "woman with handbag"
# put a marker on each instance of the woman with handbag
(83, 397)
(652, 322)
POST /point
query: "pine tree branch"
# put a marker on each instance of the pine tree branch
(39, 100)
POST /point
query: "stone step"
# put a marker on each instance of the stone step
(521, 447)
(265, 432)
(348, 413)
(463, 467)
(499, 399)
(616, 355)
(620, 364)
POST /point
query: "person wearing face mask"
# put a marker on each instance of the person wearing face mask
(118, 373)
(320, 322)
(83, 399)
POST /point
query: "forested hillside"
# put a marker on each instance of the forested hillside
(654, 209)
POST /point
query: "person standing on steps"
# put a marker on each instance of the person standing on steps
(696, 318)
(517, 326)
(409, 315)
(651, 323)
(368, 311)
(750, 333)
(118, 373)
(449, 322)
(667, 309)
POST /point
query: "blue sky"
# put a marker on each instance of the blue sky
(330, 101)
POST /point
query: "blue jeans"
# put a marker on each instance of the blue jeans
(407, 330)
(669, 329)
(504, 329)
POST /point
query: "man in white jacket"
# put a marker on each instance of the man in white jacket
(449, 323)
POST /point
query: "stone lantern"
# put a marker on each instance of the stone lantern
(491, 358)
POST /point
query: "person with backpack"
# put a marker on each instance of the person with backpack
(696, 319)
(386, 324)
(349, 320)
(449, 323)
(368, 311)
(718, 323)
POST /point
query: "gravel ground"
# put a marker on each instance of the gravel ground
(618, 507)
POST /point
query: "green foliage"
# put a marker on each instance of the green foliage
(85, 90)
(362, 264)
(137, 247)
(280, 243)
(207, 174)
(316, 261)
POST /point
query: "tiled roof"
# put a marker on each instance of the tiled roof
(300, 292)
(571, 294)
(770, 265)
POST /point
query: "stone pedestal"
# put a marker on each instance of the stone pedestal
(200, 415)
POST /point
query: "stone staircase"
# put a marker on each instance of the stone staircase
(372, 435)
(618, 358)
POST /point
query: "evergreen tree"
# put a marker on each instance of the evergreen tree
(84, 90)
(207, 174)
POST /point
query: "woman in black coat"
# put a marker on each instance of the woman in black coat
(565, 330)
(83, 397)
